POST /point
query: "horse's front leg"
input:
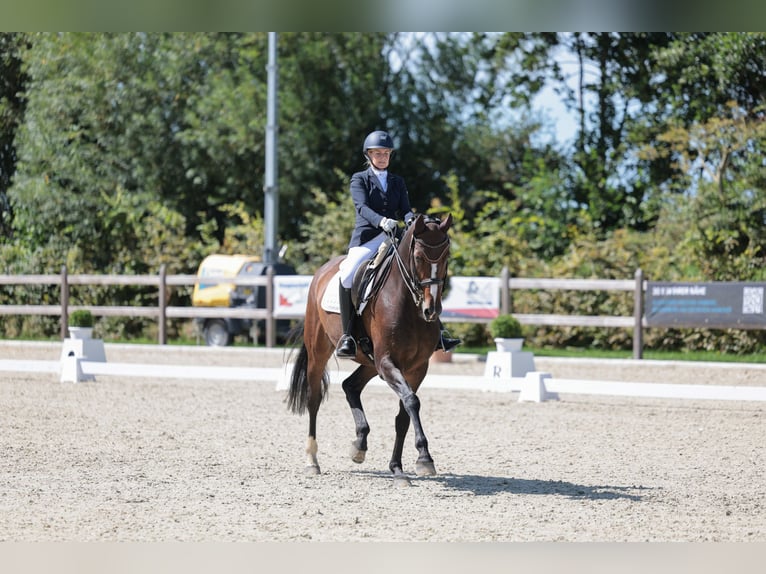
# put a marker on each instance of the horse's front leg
(353, 387)
(401, 425)
(409, 410)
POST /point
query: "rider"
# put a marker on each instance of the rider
(380, 200)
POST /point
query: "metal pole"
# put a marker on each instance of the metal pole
(271, 196)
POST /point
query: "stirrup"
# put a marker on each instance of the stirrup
(446, 344)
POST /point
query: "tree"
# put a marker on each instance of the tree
(180, 119)
(11, 114)
(720, 162)
(611, 93)
(699, 74)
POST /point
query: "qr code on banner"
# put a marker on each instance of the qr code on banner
(752, 300)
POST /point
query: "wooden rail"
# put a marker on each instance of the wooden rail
(161, 312)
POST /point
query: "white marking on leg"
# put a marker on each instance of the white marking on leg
(311, 452)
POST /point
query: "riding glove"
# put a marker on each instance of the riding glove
(388, 225)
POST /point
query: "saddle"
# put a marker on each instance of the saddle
(367, 282)
(369, 278)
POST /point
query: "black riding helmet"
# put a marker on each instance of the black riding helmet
(377, 140)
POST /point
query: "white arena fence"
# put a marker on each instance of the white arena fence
(535, 386)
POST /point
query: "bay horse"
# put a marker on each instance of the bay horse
(401, 321)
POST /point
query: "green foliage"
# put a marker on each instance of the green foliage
(11, 115)
(505, 326)
(473, 335)
(81, 318)
(110, 114)
(616, 257)
(327, 230)
(242, 232)
(125, 152)
(721, 160)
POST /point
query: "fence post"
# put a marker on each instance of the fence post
(64, 302)
(271, 335)
(505, 291)
(638, 316)
(163, 335)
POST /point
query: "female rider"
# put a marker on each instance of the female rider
(380, 200)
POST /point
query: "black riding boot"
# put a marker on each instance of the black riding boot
(446, 344)
(346, 345)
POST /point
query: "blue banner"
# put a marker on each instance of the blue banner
(724, 305)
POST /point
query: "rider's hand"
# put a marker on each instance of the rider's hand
(388, 225)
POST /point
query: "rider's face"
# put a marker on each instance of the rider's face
(379, 158)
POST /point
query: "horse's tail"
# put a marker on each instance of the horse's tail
(299, 392)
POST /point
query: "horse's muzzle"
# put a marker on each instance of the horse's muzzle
(430, 313)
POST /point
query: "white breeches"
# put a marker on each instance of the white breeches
(356, 256)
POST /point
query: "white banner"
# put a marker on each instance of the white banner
(475, 297)
(290, 295)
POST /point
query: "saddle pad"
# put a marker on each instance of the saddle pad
(330, 300)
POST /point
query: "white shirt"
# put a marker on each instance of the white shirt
(382, 177)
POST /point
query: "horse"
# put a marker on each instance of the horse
(401, 322)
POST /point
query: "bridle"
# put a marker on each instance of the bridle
(415, 287)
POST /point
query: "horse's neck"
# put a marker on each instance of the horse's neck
(397, 282)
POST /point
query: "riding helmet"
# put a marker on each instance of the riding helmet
(377, 140)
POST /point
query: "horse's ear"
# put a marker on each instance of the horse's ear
(419, 225)
(446, 223)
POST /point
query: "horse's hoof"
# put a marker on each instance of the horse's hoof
(425, 469)
(402, 481)
(357, 455)
(312, 470)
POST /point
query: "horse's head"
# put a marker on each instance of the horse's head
(427, 245)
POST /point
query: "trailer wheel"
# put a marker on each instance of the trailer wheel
(216, 333)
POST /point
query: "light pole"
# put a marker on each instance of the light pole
(271, 191)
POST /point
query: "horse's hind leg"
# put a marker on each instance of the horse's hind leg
(353, 387)
(315, 375)
(312, 465)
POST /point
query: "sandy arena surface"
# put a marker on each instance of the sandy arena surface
(142, 459)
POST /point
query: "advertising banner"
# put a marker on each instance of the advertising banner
(720, 305)
(290, 295)
(472, 297)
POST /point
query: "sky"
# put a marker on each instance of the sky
(564, 122)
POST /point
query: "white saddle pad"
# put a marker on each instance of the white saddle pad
(331, 297)
(330, 300)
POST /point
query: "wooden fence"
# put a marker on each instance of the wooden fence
(162, 312)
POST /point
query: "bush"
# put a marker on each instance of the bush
(472, 334)
(505, 327)
(81, 318)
